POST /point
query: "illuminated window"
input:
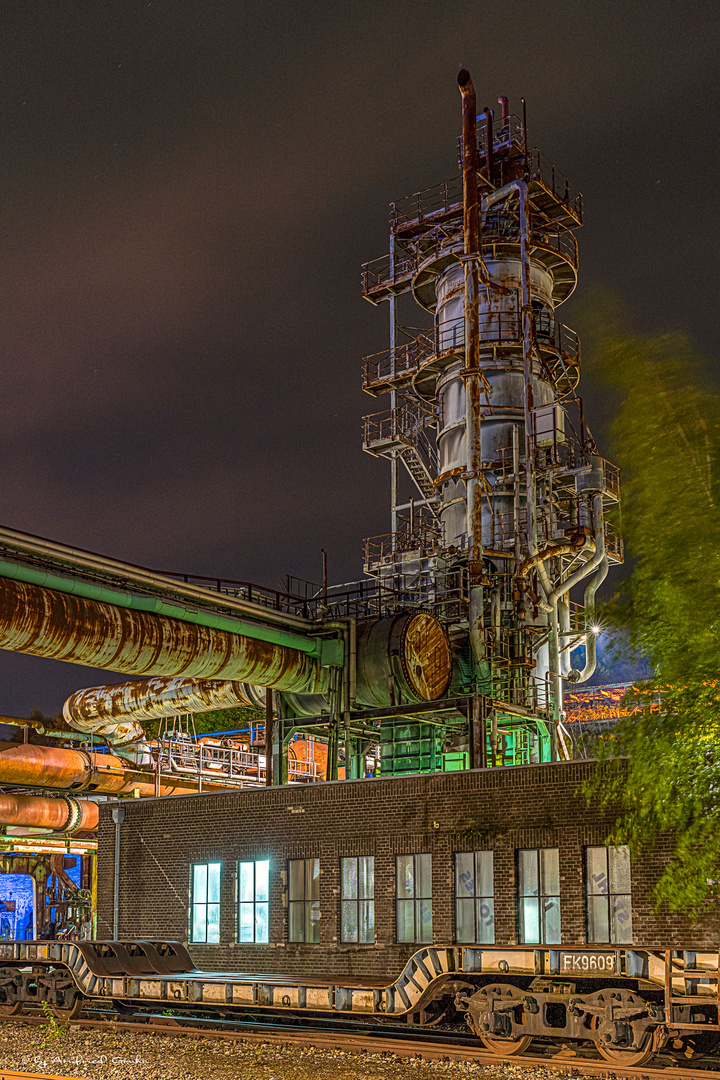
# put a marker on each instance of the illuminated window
(414, 898)
(607, 895)
(357, 900)
(304, 900)
(539, 896)
(205, 903)
(253, 901)
(474, 898)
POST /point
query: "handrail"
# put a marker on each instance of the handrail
(444, 198)
(496, 328)
(498, 227)
(37, 550)
(401, 424)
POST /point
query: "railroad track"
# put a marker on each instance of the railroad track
(10, 1075)
(426, 1045)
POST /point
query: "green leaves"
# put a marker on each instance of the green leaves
(666, 440)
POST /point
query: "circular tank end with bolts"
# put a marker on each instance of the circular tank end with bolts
(404, 658)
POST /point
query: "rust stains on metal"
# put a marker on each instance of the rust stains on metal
(426, 657)
(150, 699)
(63, 814)
(471, 257)
(61, 626)
(55, 767)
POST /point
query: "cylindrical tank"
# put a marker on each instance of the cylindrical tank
(403, 658)
(500, 324)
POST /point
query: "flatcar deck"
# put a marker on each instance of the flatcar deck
(165, 972)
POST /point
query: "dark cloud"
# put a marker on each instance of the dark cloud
(188, 193)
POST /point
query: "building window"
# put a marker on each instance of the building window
(474, 898)
(539, 896)
(607, 894)
(304, 900)
(205, 902)
(357, 900)
(253, 901)
(414, 898)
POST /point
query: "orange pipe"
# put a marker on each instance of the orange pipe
(26, 765)
(40, 812)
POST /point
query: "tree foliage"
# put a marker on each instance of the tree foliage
(219, 720)
(666, 440)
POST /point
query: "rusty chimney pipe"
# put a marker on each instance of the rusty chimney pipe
(503, 103)
(471, 219)
(473, 378)
(489, 144)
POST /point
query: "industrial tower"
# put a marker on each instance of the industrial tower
(507, 492)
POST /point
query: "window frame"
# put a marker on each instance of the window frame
(543, 896)
(609, 896)
(204, 904)
(255, 904)
(358, 902)
(309, 903)
(476, 899)
(418, 902)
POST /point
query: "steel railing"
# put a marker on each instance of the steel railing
(541, 170)
(388, 272)
(496, 329)
(424, 538)
(445, 198)
(395, 363)
(229, 765)
(402, 424)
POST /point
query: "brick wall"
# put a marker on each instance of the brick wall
(502, 809)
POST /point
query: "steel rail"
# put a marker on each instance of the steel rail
(430, 1045)
(9, 1074)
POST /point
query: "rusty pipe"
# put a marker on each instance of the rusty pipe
(43, 622)
(89, 562)
(473, 450)
(490, 144)
(504, 105)
(26, 765)
(99, 707)
(64, 814)
(549, 552)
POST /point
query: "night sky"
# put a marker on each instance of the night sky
(187, 191)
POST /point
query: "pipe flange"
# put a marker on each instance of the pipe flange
(89, 771)
(75, 814)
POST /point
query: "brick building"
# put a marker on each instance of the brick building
(347, 878)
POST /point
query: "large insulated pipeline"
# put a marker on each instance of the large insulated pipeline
(88, 562)
(64, 814)
(27, 765)
(101, 707)
(46, 622)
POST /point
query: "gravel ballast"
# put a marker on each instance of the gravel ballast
(101, 1055)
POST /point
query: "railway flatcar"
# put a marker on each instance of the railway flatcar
(484, 897)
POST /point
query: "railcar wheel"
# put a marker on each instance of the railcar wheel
(69, 1012)
(11, 989)
(610, 1035)
(627, 1058)
(506, 1047)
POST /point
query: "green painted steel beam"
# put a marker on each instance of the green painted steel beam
(329, 651)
